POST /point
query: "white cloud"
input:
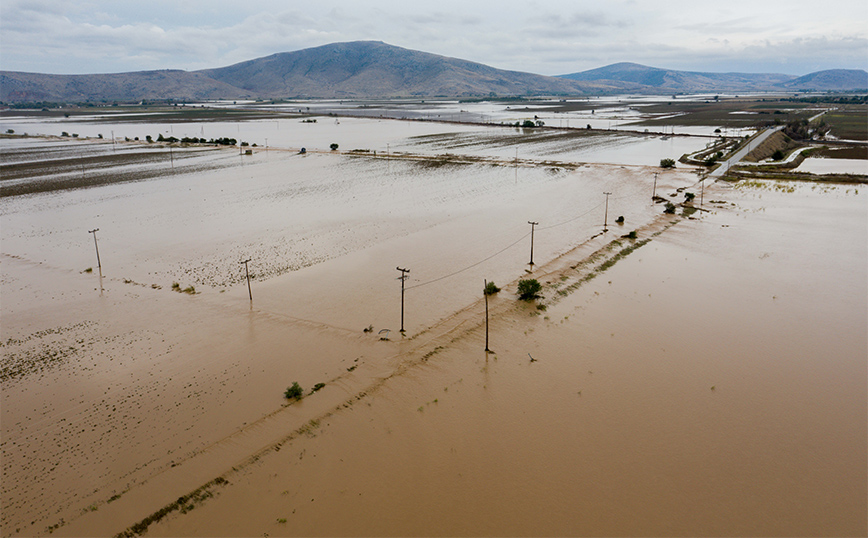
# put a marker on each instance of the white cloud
(549, 37)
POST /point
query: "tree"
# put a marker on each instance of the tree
(334, 146)
(667, 163)
(295, 391)
(528, 123)
(778, 155)
(529, 289)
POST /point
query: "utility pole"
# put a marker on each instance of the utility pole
(485, 293)
(532, 226)
(114, 149)
(654, 191)
(94, 231)
(249, 292)
(702, 191)
(606, 214)
(403, 278)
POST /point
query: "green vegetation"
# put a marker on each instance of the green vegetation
(333, 146)
(294, 392)
(89, 270)
(667, 163)
(670, 208)
(490, 289)
(529, 289)
(778, 155)
(317, 387)
(184, 503)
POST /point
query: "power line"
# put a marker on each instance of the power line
(471, 266)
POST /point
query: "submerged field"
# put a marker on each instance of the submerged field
(685, 382)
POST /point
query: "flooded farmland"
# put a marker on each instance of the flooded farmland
(707, 377)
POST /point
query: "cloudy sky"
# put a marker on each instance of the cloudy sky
(548, 37)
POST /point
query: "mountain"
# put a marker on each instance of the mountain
(375, 69)
(831, 80)
(362, 69)
(135, 86)
(667, 80)
(371, 69)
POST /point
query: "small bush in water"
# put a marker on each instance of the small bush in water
(295, 391)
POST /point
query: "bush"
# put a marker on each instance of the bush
(295, 391)
(334, 147)
(689, 196)
(778, 155)
(670, 208)
(528, 123)
(529, 289)
(667, 163)
(490, 289)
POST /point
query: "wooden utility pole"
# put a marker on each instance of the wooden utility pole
(532, 226)
(654, 191)
(94, 231)
(249, 292)
(606, 214)
(485, 293)
(403, 278)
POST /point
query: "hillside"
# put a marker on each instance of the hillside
(372, 69)
(831, 80)
(135, 86)
(375, 69)
(652, 78)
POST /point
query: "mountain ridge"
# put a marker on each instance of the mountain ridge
(373, 69)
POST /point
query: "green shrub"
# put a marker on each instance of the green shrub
(689, 196)
(334, 146)
(667, 163)
(295, 391)
(670, 208)
(491, 288)
(778, 155)
(529, 289)
(317, 387)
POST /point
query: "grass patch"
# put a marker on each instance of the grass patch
(184, 504)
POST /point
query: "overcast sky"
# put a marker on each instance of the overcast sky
(547, 37)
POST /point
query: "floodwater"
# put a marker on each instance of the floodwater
(708, 384)
(737, 367)
(834, 166)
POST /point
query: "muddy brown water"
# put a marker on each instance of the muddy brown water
(711, 383)
(715, 386)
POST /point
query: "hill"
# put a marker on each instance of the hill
(372, 69)
(375, 69)
(668, 80)
(124, 87)
(831, 80)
